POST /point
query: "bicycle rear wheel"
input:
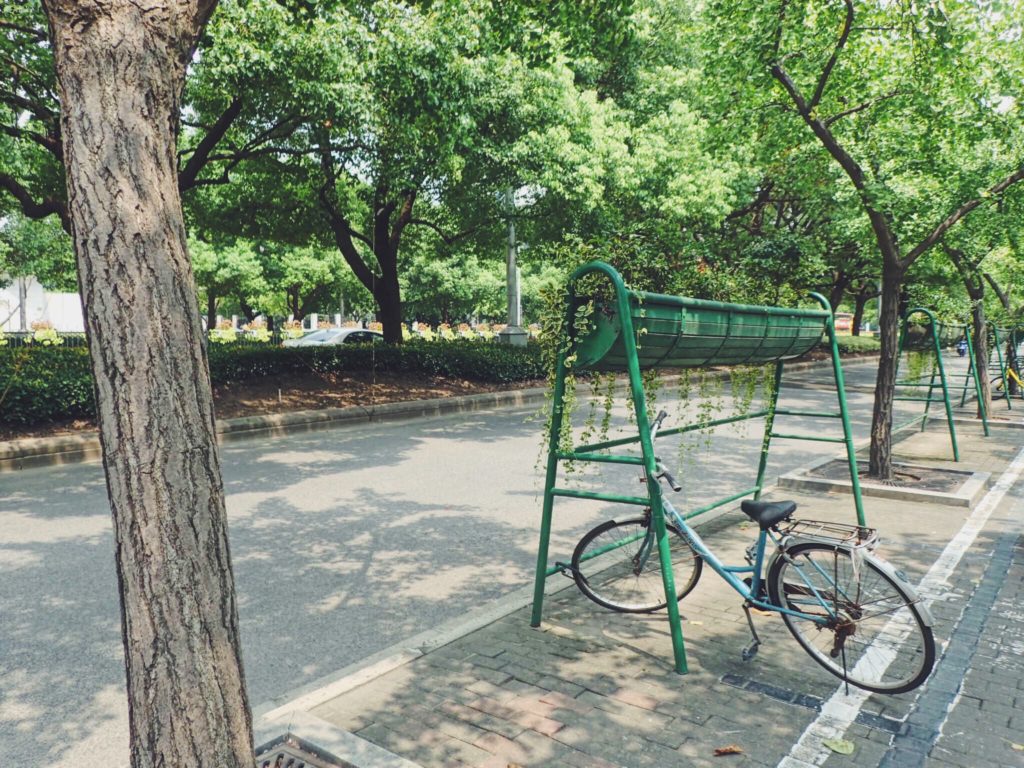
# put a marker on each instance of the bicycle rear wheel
(879, 639)
(617, 566)
(996, 388)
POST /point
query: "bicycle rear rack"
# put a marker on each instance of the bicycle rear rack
(837, 534)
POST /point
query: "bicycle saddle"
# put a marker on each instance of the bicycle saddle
(768, 513)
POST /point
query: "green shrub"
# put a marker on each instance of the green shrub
(40, 384)
(45, 384)
(853, 344)
(472, 360)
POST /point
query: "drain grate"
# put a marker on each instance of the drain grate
(289, 751)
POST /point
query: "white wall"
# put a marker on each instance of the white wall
(62, 310)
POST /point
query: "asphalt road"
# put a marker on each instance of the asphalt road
(344, 542)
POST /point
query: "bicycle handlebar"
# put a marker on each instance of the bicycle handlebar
(668, 478)
(656, 424)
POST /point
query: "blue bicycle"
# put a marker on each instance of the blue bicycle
(851, 611)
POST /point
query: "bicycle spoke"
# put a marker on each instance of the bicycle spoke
(875, 637)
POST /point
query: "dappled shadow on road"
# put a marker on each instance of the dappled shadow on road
(377, 569)
(61, 668)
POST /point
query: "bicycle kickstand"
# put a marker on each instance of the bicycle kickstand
(751, 650)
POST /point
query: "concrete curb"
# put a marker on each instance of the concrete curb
(972, 489)
(347, 748)
(73, 449)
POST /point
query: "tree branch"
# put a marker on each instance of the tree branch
(41, 111)
(188, 175)
(1004, 296)
(819, 91)
(49, 143)
(37, 35)
(852, 168)
(404, 216)
(33, 209)
(963, 210)
(861, 107)
(342, 231)
(879, 223)
(778, 30)
(446, 238)
(763, 194)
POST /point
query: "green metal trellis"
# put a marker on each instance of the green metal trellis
(1011, 338)
(936, 335)
(636, 330)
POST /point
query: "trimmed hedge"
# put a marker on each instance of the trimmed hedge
(853, 344)
(473, 360)
(47, 384)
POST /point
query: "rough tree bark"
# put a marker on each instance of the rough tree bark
(121, 68)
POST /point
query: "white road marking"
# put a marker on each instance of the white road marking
(841, 709)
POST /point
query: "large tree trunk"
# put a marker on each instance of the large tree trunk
(980, 329)
(388, 295)
(864, 295)
(211, 310)
(121, 69)
(880, 464)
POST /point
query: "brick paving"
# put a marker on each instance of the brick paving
(593, 688)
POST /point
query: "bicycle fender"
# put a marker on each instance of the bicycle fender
(900, 578)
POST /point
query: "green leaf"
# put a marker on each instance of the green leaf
(839, 746)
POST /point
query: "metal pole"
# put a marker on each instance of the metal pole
(557, 414)
(942, 378)
(977, 382)
(650, 471)
(1002, 365)
(837, 372)
(513, 333)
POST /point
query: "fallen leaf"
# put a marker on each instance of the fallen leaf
(732, 749)
(1016, 746)
(839, 746)
(697, 623)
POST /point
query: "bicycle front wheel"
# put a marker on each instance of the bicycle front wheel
(617, 566)
(874, 636)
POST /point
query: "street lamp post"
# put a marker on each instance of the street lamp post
(513, 333)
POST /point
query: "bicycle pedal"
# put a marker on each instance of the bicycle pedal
(565, 569)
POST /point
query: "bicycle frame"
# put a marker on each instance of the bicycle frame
(729, 572)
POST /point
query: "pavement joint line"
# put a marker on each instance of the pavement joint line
(808, 701)
(963, 644)
(840, 711)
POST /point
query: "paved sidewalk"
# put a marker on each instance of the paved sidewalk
(595, 688)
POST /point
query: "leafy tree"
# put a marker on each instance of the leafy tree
(891, 92)
(37, 248)
(228, 271)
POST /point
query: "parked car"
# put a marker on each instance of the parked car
(336, 336)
